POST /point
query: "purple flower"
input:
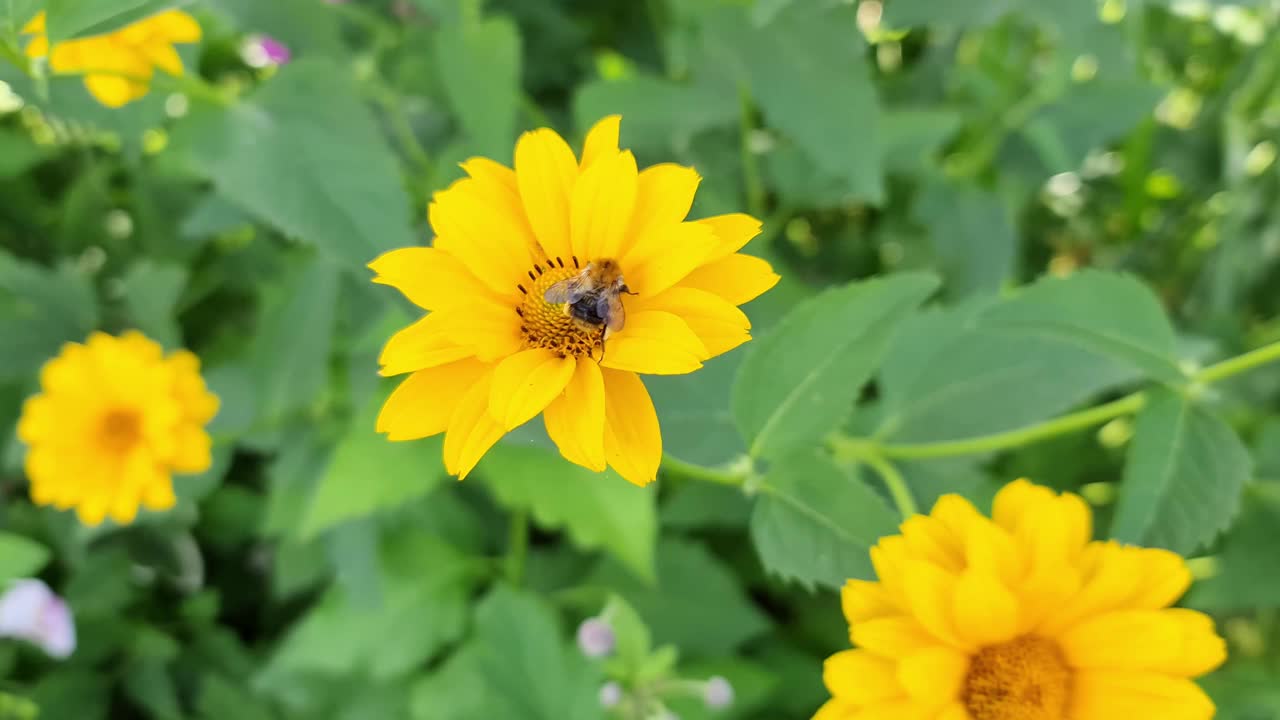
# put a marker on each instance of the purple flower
(610, 694)
(261, 51)
(595, 638)
(30, 611)
(717, 693)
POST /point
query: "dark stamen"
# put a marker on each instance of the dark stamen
(532, 276)
(522, 290)
(575, 261)
(520, 312)
(537, 267)
(559, 262)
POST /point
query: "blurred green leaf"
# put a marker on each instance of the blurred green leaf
(633, 640)
(151, 294)
(529, 672)
(370, 474)
(72, 694)
(149, 683)
(307, 30)
(458, 690)
(752, 684)
(657, 114)
(20, 557)
(47, 308)
(1246, 559)
(72, 18)
(1245, 689)
(315, 168)
(972, 235)
(598, 510)
(483, 82)
(290, 356)
(910, 13)
(810, 51)
(221, 698)
(798, 382)
(815, 523)
(1183, 476)
(17, 13)
(18, 153)
(697, 604)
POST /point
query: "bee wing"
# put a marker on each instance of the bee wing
(569, 290)
(610, 306)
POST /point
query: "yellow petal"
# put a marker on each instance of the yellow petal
(525, 383)
(663, 200)
(114, 91)
(423, 404)
(930, 539)
(495, 186)
(654, 343)
(632, 439)
(719, 324)
(601, 205)
(602, 139)
(35, 24)
(545, 173)
(38, 47)
(429, 277)
(985, 611)
(1165, 577)
(734, 230)
(485, 239)
(738, 278)
(1111, 695)
(858, 676)
(890, 557)
(192, 451)
(835, 709)
(894, 636)
(894, 710)
(1202, 650)
(1016, 500)
(1123, 640)
(933, 676)
(426, 343)
(930, 594)
(159, 496)
(164, 57)
(175, 26)
(954, 711)
(683, 248)
(575, 420)
(472, 430)
(1115, 577)
(862, 600)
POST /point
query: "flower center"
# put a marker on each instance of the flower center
(551, 325)
(1023, 679)
(120, 430)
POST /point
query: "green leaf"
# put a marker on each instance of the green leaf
(815, 523)
(18, 153)
(799, 381)
(483, 82)
(1183, 476)
(972, 235)
(529, 672)
(73, 18)
(1245, 561)
(307, 30)
(940, 367)
(697, 604)
(909, 13)
(17, 13)
(1107, 314)
(20, 557)
(424, 607)
(314, 167)
(457, 690)
(44, 309)
(633, 640)
(370, 474)
(810, 51)
(151, 294)
(598, 510)
(291, 353)
(911, 137)
(657, 114)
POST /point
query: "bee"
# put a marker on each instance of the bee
(593, 297)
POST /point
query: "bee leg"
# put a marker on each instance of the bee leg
(603, 331)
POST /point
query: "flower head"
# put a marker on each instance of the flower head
(596, 638)
(1019, 617)
(262, 51)
(610, 694)
(114, 418)
(30, 611)
(551, 288)
(717, 694)
(118, 66)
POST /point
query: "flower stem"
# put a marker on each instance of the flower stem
(1239, 364)
(894, 481)
(733, 477)
(517, 546)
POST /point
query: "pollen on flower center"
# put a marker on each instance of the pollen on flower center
(120, 430)
(1026, 678)
(549, 325)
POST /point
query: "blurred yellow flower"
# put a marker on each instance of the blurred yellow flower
(1019, 617)
(113, 419)
(118, 66)
(516, 328)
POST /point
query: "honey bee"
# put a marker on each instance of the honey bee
(593, 297)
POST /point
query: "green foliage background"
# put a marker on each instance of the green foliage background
(987, 215)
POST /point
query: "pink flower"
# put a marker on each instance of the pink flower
(260, 51)
(30, 611)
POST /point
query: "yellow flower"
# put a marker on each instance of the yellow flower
(494, 352)
(1019, 617)
(113, 419)
(118, 65)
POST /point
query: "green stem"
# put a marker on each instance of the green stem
(751, 180)
(1239, 364)
(517, 546)
(894, 481)
(733, 477)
